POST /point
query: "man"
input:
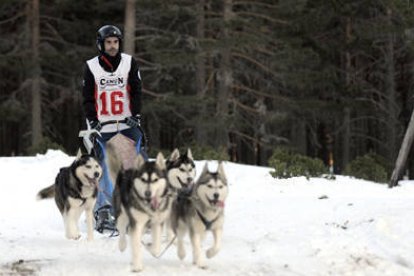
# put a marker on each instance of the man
(111, 91)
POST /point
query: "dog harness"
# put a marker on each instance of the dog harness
(206, 222)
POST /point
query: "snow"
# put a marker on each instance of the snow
(273, 227)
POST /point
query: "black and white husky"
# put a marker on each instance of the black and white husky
(75, 191)
(201, 211)
(181, 171)
(141, 197)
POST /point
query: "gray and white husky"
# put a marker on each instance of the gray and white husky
(141, 197)
(75, 191)
(201, 211)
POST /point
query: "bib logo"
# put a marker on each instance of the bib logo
(111, 82)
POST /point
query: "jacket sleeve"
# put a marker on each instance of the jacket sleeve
(135, 84)
(88, 94)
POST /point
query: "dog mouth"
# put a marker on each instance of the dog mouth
(153, 202)
(94, 182)
(216, 203)
(185, 185)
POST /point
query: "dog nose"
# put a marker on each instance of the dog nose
(189, 179)
(96, 174)
(147, 193)
(216, 195)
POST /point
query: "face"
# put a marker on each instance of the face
(182, 177)
(89, 171)
(149, 181)
(111, 45)
(212, 188)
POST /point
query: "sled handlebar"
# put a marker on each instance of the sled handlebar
(110, 122)
(144, 136)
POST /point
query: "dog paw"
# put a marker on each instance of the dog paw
(73, 236)
(200, 264)
(122, 244)
(90, 238)
(137, 268)
(181, 253)
(211, 253)
(154, 251)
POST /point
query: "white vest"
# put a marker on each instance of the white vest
(112, 99)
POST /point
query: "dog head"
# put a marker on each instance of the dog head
(149, 180)
(212, 188)
(181, 170)
(87, 170)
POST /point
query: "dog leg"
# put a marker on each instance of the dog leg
(122, 224)
(198, 259)
(217, 234)
(136, 234)
(156, 239)
(170, 232)
(71, 227)
(89, 217)
(181, 231)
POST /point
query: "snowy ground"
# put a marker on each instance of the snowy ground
(273, 227)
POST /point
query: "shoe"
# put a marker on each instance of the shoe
(105, 220)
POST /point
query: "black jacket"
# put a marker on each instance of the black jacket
(110, 64)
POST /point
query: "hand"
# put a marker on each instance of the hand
(95, 125)
(133, 121)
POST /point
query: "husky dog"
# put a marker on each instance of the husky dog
(75, 190)
(181, 171)
(141, 197)
(202, 211)
(180, 177)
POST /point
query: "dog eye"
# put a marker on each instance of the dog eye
(221, 187)
(155, 179)
(210, 186)
(182, 170)
(143, 179)
(88, 166)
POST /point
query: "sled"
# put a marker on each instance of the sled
(121, 148)
(89, 139)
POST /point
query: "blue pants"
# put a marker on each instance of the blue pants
(106, 186)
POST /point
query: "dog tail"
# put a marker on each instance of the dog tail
(47, 192)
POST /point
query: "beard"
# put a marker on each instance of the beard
(112, 52)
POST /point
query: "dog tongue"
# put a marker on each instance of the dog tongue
(220, 203)
(94, 182)
(154, 203)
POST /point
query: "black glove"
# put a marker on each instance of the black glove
(95, 125)
(133, 121)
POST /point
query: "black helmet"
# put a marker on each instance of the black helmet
(105, 32)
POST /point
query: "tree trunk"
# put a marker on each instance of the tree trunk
(36, 73)
(346, 149)
(346, 137)
(129, 27)
(225, 80)
(201, 74)
(402, 155)
(392, 117)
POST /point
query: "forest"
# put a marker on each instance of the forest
(328, 79)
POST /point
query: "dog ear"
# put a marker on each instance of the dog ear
(189, 154)
(160, 161)
(139, 161)
(175, 155)
(78, 155)
(205, 169)
(220, 171)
